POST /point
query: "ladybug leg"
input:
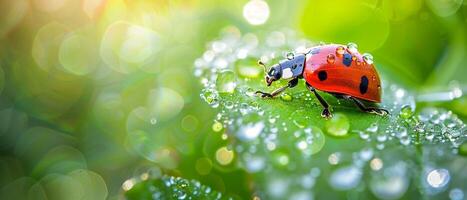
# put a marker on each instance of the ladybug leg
(361, 106)
(292, 83)
(326, 112)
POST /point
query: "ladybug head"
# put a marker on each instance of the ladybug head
(289, 68)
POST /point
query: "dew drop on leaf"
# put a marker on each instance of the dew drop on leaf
(226, 82)
(338, 125)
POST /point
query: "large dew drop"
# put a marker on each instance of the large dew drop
(226, 82)
(338, 125)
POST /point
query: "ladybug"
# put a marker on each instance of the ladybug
(336, 69)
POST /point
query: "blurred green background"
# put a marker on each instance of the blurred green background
(78, 78)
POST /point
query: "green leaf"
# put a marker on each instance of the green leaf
(169, 187)
(280, 140)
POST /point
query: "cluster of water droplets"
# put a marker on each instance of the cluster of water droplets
(278, 143)
(169, 187)
(430, 126)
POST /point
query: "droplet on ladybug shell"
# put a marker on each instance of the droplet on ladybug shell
(331, 58)
(374, 78)
(340, 50)
(352, 47)
(354, 58)
(368, 58)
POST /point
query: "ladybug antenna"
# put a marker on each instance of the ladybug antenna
(263, 65)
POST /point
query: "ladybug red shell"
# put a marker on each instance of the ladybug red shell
(337, 69)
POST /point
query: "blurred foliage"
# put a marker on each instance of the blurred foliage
(106, 88)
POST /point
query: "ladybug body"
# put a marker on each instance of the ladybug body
(336, 69)
(341, 71)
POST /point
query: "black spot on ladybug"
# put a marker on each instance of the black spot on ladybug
(322, 75)
(347, 60)
(363, 84)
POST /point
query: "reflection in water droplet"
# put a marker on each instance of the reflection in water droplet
(226, 82)
(211, 97)
(228, 104)
(340, 51)
(250, 131)
(352, 47)
(286, 97)
(406, 112)
(368, 58)
(331, 58)
(438, 178)
(338, 125)
(345, 178)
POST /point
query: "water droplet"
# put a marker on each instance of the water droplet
(376, 164)
(229, 105)
(438, 178)
(300, 118)
(405, 140)
(373, 128)
(211, 97)
(226, 82)
(250, 92)
(368, 58)
(338, 125)
(406, 112)
(352, 48)
(310, 140)
(340, 51)
(244, 108)
(286, 97)
(381, 137)
(217, 126)
(153, 121)
(250, 131)
(456, 194)
(345, 178)
(401, 131)
(366, 154)
(331, 58)
(334, 158)
(363, 135)
(391, 184)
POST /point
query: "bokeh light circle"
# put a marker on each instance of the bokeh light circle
(164, 103)
(46, 45)
(78, 55)
(127, 47)
(256, 12)
(444, 8)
